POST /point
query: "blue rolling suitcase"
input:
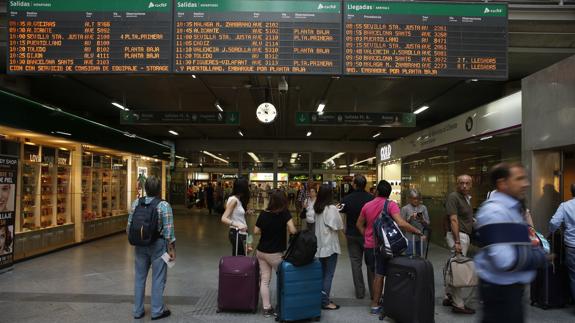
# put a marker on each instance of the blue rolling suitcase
(299, 292)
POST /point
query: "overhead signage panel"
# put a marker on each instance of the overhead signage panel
(89, 36)
(179, 118)
(257, 36)
(388, 119)
(465, 40)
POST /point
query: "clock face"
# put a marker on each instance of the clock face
(266, 112)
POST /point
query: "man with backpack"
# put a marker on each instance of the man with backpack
(376, 261)
(151, 230)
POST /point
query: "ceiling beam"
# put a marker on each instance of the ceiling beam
(262, 145)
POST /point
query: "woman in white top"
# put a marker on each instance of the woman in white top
(327, 224)
(235, 216)
(308, 205)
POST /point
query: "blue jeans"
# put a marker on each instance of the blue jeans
(410, 250)
(328, 269)
(146, 256)
(570, 260)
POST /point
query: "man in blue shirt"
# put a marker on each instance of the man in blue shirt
(566, 214)
(505, 266)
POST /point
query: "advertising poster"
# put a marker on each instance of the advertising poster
(8, 176)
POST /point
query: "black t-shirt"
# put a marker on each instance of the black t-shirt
(274, 231)
(354, 202)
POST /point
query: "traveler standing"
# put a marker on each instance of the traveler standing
(327, 224)
(151, 255)
(375, 262)
(210, 198)
(235, 216)
(459, 225)
(566, 214)
(308, 206)
(415, 214)
(504, 267)
(352, 205)
(272, 224)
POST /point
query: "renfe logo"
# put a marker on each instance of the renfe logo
(326, 6)
(487, 10)
(157, 5)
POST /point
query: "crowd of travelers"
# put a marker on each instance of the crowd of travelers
(509, 252)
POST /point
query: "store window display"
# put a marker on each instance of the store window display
(6, 197)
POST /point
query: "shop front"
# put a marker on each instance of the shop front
(389, 168)
(549, 138)
(431, 160)
(66, 191)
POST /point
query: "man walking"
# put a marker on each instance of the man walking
(459, 226)
(352, 205)
(151, 255)
(508, 259)
(566, 214)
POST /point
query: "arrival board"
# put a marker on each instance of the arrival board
(255, 36)
(467, 40)
(90, 36)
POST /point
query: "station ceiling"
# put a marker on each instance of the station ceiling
(533, 45)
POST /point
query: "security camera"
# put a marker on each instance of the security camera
(283, 85)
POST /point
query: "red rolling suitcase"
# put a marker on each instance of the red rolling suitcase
(239, 283)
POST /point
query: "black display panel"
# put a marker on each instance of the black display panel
(255, 36)
(466, 40)
(90, 36)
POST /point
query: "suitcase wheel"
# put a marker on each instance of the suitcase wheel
(382, 316)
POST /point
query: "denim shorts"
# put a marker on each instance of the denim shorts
(375, 263)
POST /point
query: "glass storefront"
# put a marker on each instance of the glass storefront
(434, 172)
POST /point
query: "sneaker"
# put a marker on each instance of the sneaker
(376, 310)
(269, 312)
(164, 314)
(464, 310)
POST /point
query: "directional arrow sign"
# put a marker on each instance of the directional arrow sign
(386, 119)
(179, 118)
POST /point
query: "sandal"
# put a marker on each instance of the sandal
(331, 308)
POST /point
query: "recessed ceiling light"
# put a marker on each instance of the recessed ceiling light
(320, 107)
(193, 76)
(420, 110)
(308, 134)
(219, 106)
(486, 138)
(376, 135)
(336, 156)
(254, 157)
(173, 133)
(240, 133)
(214, 156)
(62, 133)
(119, 106)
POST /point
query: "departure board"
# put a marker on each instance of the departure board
(255, 36)
(467, 40)
(90, 36)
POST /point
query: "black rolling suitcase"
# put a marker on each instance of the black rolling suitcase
(409, 294)
(550, 289)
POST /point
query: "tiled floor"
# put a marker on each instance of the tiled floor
(93, 283)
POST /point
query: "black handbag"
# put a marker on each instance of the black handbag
(303, 214)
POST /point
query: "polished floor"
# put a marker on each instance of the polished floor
(93, 283)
